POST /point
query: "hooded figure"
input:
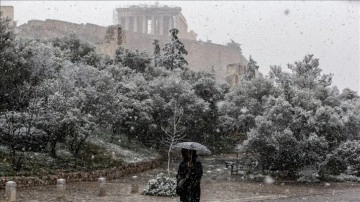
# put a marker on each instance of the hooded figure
(188, 178)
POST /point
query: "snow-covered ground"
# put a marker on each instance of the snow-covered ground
(217, 186)
(117, 152)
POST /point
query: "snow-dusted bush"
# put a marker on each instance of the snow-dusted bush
(346, 158)
(342, 178)
(300, 124)
(161, 186)
(308, 174)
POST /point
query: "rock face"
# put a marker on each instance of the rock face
(48, 29)
(204, 56)
(110, 173)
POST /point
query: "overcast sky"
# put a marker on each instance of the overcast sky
(273, 33)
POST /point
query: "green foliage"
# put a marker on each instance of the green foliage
(296, 120)
(243, 103)
(157, 54)
(234, 44)
(344, 158)
(308, 175)
(251, 69)
(135, 60)
(18, 134)
(14, 72)
(348, 94)
(77, 51)
(307, 74)
(174, 53)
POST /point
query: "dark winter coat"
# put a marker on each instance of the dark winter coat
(191, 191)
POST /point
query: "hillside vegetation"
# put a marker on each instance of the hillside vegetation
(65, 106)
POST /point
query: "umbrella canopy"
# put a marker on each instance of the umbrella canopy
(200, 149)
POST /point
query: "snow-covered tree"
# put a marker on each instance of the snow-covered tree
(77, 50)
(173, 130)
(235, 45)
(157, 55)
(307, 74)
(19, 134)
(243, 103)
(135, 60)
(174, 52)
(251, 69)
(206, 88)
(14, 71)
(300, 121)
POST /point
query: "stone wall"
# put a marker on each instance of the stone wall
(110, 173)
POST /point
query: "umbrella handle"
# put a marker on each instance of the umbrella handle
(190, 161)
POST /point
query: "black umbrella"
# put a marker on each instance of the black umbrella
(200, 149)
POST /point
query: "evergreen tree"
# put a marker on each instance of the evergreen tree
(251, 69)
(307, 74)
(235, 45)
(174, 52)
(156, 52)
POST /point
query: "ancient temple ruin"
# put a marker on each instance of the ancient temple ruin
(153, 20)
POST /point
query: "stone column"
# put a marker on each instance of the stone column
(174, 22)
(144, 25)
(166, 23)
(131, 24)
(10, 193)
(134, 185)
(102, 184)
(61, 188)
(136, 23)
(161, 25)
(171, 23)
(153, 25)
(122, 22)
(126, 26)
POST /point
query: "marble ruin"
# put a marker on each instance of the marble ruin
(153, 20)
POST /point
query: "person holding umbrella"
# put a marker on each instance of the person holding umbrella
(190, 171)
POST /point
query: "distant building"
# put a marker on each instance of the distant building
(7, 12)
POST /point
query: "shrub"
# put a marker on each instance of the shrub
(344, 158)
(161, 186)
(308, 174)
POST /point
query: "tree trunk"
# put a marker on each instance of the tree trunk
(168, 163)
(53, 148)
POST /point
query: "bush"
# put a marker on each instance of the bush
(308, 174)
(334, 165)
(161, 186)
(345, 158)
